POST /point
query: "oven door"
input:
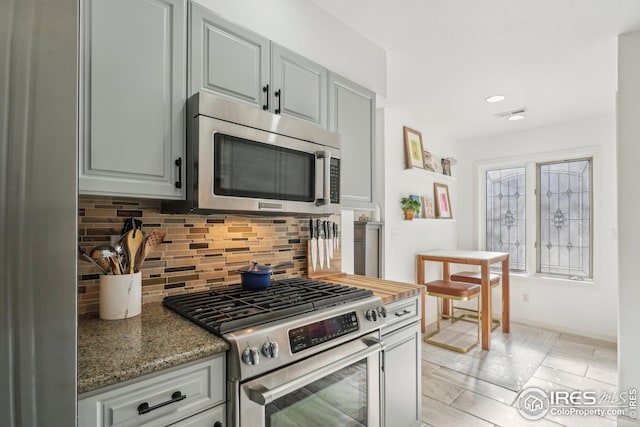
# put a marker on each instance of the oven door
(246, 169)
(339, 387)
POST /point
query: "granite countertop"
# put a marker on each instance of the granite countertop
(112, 351)
(389, 290)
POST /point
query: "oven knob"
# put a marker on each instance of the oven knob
(270, 349)
(371, 315)
(250, 356)
(382, 311)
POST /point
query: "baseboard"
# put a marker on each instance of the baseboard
(574, 331)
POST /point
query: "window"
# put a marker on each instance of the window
(561, 209)
(505, 228)
(564, 219)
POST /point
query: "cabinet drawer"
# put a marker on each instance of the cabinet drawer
(202, 384)
(401, 313)
(205, 419)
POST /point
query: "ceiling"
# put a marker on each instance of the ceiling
(557, 58)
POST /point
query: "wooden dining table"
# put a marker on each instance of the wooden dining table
(484, 260)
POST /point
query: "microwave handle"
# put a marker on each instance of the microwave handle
(323, 180)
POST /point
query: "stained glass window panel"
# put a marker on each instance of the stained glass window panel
(506, 215)
(565, 210)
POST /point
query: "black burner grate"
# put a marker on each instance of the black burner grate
(228, 309)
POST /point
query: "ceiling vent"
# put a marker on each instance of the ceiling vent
(517, 112)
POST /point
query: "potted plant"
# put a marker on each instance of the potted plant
(410, 207)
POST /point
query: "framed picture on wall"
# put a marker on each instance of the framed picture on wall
(413, 148)
(443, 204)
(427, 207)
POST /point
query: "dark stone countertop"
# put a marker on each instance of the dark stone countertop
(113, 351)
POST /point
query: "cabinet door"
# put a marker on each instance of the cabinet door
(403, 377)
(133, 96)
(227, 60)
(352, 111)
(299, 86)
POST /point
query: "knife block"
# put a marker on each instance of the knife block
(323, 271)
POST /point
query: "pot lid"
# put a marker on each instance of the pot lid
(255, 268)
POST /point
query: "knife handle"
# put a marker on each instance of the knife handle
(319, 228)
(311, 228)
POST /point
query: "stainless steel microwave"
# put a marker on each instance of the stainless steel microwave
(242, 159)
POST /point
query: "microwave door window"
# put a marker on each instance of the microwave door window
(244, 168)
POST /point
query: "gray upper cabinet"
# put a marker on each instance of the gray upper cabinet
(133, 91)
(226, 59)
(236, 63)
(352, 110)
(299, 86)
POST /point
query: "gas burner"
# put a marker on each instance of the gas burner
(232, 308)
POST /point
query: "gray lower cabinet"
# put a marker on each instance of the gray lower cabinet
(133, 91)
(236, 63)
(352, 113)
(191, 395)
(402, 365)
(367, 249)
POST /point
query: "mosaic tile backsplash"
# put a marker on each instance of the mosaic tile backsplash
(199, 252)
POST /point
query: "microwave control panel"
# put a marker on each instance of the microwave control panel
(334, 189)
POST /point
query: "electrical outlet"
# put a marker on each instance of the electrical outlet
(525, 297)
(395, 233)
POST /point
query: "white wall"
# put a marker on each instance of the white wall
(404, 239)
(584, 308)
(628, 208)
(310, 31)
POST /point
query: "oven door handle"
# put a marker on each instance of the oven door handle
(262, 395)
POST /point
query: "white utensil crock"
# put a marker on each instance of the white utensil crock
(120, 296)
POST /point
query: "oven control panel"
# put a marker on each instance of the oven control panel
(317, 333)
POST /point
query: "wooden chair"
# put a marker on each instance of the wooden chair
(454, 291)
(475, 278)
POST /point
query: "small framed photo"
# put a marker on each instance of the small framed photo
(428, 161)
(443, 204)
(446, 166)
(427, 207)
(413, 148)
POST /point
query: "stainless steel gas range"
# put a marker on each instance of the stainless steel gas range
(303, 352)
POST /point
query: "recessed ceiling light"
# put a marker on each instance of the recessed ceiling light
(516, 117)
(495, 98)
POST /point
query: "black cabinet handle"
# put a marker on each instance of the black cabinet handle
(179, 165)
(278, 95)
(217, 424)
(266, 90)
(144, 407)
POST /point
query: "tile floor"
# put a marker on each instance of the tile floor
(451, 398)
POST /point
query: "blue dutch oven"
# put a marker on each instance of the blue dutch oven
(257, 276)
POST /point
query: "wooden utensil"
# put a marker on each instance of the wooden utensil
(132, 243)
(154, 239)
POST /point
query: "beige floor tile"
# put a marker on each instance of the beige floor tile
(566, 363)
(573, 348)
(438, 414)
(494, 411)
(607, 375)
(587, 340)
(607, 354)
(439, 389)
(481, 387)
(571, 381)
(428, 367)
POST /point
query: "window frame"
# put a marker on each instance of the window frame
(538, 245)
(529, 161)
